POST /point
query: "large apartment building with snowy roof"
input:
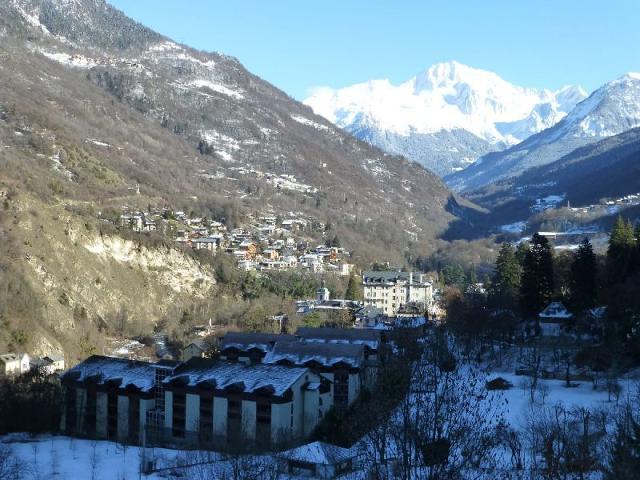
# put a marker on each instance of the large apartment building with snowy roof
(203, 402)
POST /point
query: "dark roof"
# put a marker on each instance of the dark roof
(202, 343)
(247, 340)
(384, 276)
(365, 336)
(326, 354)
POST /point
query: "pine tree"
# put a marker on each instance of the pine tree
(504, 289)
(521, 252)
(353, 289)
(621, 252)
(583, 278)
(537, 283)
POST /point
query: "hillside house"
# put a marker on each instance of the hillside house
(371, 317)
(232, 404)
(391, 290)
(12, 364)
(50, 364)
(199, 348)
(553, 319)
(316, 460)
(270, 254)
(211, 243)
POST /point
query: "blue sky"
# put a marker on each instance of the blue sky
(300, 44)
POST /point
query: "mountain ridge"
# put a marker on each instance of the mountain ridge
(95, 108)
(447, 97)
(609, 110)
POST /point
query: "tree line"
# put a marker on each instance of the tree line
(601, 291)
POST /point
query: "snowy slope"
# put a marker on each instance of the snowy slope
(483, 110)
(610, 110)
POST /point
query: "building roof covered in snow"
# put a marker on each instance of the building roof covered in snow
(274, 379)
(247, 341)
(115, 371)
(318, 453)
(364, 336)
(326, 354)
(555, 311)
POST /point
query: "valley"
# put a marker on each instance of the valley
(204, 274)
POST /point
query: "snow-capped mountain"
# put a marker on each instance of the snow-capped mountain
(445, 117)
(610, 110)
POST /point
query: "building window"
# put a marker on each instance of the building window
(90, 413)
(341, 389)
(206, 419)
(234, 421)
(134, 419)
(112, 414)
(179, 414)
(263, 424)
(71, 412)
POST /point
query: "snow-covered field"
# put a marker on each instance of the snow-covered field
(48, 457)
(555, 392)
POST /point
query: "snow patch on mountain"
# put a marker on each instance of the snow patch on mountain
(32, 18)
(612, 109)
(309, 123)
(217, 87)
(77, 61)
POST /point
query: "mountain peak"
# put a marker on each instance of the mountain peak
(445, 74)
(448, 98)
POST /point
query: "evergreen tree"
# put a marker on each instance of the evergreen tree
(472, 276)
(353, 289)
(521, 252)
(504, 289)
(621, 252)
(583, 278)
(454, 275)
(537, 283)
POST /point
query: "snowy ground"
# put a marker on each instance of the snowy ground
(581, 394)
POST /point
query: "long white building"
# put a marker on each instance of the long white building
(199, 402)
(389, 291)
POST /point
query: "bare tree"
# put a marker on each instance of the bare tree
(10, 467)
(447, 425)
(94, 459)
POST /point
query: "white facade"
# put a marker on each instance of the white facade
(389, 291)
(14, 363)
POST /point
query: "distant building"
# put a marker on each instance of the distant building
(199, 348)
(14, 364)
(389, 291)
(316, 460)
(553, 319)
(211, 243)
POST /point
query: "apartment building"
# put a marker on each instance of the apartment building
(389, 291)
